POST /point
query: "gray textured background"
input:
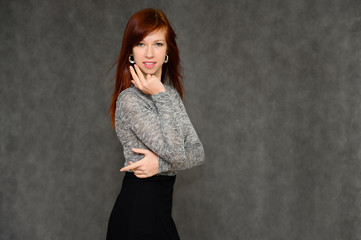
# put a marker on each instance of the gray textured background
(272, 87)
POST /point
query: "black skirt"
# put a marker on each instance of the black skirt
(143, 209)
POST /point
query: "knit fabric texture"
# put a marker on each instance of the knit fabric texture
(161, 124)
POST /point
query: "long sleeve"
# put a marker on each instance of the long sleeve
(194, 152)
(161, 124)
(158, 130)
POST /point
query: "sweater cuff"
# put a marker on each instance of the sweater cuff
(163, 166)
(161, 96)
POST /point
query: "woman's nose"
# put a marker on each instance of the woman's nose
(149, 52)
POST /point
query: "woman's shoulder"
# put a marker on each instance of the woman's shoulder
(130, 92)
(171, 89)
(129, 97)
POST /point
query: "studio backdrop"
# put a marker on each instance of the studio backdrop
(273, 89)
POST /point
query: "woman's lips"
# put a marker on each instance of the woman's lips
(149, 64)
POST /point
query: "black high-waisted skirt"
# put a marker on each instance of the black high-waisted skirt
(143, 209)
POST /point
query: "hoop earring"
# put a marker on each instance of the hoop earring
(166, 58)
(130, 59)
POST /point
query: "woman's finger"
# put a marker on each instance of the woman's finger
(140, 150)
(135, 77)
(140, 175)
(130, 167)
(139, 73)
(139, 172)
(132, 72)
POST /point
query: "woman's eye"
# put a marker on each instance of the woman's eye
(159, 44)
(140, 44)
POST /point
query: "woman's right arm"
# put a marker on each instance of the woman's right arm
(160, 132)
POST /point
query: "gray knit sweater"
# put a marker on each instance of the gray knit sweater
(159, 123)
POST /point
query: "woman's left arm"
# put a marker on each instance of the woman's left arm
(192, 145)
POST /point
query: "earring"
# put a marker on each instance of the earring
(166, 58)
(130, 59)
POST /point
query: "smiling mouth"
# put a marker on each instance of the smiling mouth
(149, 64)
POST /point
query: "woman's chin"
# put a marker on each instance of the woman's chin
(148, 71)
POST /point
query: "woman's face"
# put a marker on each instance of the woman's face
(149, 54)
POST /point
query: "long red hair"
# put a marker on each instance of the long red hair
(139, 26)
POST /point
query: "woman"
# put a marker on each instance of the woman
(152, 124)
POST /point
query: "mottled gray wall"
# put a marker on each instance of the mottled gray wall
(273, 89)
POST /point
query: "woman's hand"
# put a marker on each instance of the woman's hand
(149, 85)
(146, 167)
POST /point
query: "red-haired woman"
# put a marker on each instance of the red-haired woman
(152, 124)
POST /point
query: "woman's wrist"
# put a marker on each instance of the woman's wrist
(160, 91)
(163, 166)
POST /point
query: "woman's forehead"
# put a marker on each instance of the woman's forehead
(158, 34)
